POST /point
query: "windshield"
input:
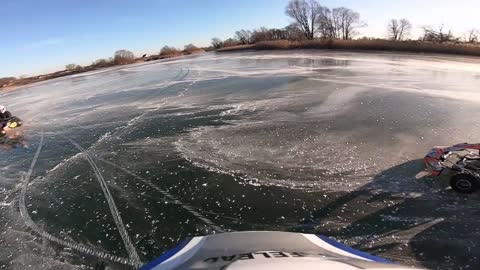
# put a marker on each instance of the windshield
(137, 125)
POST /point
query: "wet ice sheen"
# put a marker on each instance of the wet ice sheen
(320, 142)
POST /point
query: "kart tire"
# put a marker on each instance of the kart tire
(464, 183)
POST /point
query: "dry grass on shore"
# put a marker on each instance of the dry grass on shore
(238, 48)
(193, 51)
(170, 54)
(9, 84)
(374, 45)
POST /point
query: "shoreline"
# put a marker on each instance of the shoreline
(413, 47)
(419, 47)
(65, 73)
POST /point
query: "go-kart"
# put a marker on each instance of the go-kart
(462, 160)
(11, 136)
(13, 122)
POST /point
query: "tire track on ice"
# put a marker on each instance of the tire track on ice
(33, 226)
(132, 252)
(178, 77)
(166, 194)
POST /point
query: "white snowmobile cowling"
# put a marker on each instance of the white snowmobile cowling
(267, 250)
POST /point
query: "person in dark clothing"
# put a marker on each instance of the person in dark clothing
(4, 116)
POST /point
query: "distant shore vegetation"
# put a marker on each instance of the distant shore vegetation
(120, 57)
(361, 45)
(312, 26)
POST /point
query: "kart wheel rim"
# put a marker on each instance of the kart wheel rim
(463, 184)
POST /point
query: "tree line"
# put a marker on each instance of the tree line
(311, 20)
(122, 57)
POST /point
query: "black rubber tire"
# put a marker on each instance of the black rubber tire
(464, 183)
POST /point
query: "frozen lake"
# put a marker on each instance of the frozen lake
(135, 159)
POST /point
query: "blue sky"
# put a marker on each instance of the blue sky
(44, 35)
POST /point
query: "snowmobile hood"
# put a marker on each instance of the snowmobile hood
(266, 250)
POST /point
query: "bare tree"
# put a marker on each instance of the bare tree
(217, 43)
(123, 57)
(472, 36)
(393, 29)
(347, 22)
(190, 47)
(166, 50)
(439, 36)
(405, 29)
(399, 29)
(230, 42)
(277, 34)
(339, 23)
(332, 23)
(71, 66)
(306, 14)
(327, 25)
(101, 63)
(124, 54)
(261, 34)
(293, 32)
(265, 34)
(244, 36)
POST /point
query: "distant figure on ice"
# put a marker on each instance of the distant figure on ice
(4, 116)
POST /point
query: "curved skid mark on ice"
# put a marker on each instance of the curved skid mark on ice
(135, 119)
(31, 224)
(172, 198)
(167, 83)
(117, 129)
(170, 83)
(132, 253)
(132, 121)
(247, 177)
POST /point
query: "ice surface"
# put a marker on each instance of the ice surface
(321, 142)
